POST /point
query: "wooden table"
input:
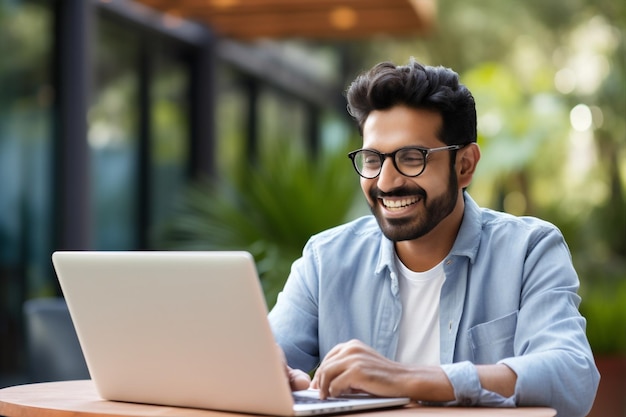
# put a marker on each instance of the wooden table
(80, 399)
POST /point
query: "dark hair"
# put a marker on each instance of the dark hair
(422, 87)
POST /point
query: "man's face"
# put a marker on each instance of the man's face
(408, 208)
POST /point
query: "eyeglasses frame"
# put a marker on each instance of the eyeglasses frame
(425, 151)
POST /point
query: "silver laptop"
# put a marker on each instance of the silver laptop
(184, 329)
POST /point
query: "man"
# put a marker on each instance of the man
(433, 297)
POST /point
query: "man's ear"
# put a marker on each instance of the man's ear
(467, 160)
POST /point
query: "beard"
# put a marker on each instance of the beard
(408, 228)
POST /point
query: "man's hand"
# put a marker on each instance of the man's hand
(298, 379)
(356, 367)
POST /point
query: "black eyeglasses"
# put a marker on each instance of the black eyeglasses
(410, 161)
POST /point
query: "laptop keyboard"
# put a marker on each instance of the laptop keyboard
(300, 399)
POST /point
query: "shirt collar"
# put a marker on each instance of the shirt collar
(387, 255)
(468, 239)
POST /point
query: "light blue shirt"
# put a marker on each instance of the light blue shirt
(510, 296)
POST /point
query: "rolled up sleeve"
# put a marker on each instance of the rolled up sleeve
(467, 388)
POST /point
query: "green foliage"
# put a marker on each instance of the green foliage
(269, 209)
(604, 307)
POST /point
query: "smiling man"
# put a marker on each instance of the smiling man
(433, 297)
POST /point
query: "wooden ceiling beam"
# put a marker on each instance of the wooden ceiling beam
(317, 25)
(269, 5)
(340, 19)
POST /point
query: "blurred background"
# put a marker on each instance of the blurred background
(221, 124)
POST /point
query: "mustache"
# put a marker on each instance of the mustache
(376, 193)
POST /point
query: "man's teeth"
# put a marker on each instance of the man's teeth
(399, 203)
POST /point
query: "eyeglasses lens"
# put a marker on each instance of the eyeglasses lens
(409, 162)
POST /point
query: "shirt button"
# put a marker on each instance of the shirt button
(449, 261)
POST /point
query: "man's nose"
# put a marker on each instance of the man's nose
(389, 176)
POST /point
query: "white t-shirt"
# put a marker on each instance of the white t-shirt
(419, 325)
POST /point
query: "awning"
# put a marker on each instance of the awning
(309, 19)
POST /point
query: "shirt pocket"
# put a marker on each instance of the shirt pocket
(493, 340)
